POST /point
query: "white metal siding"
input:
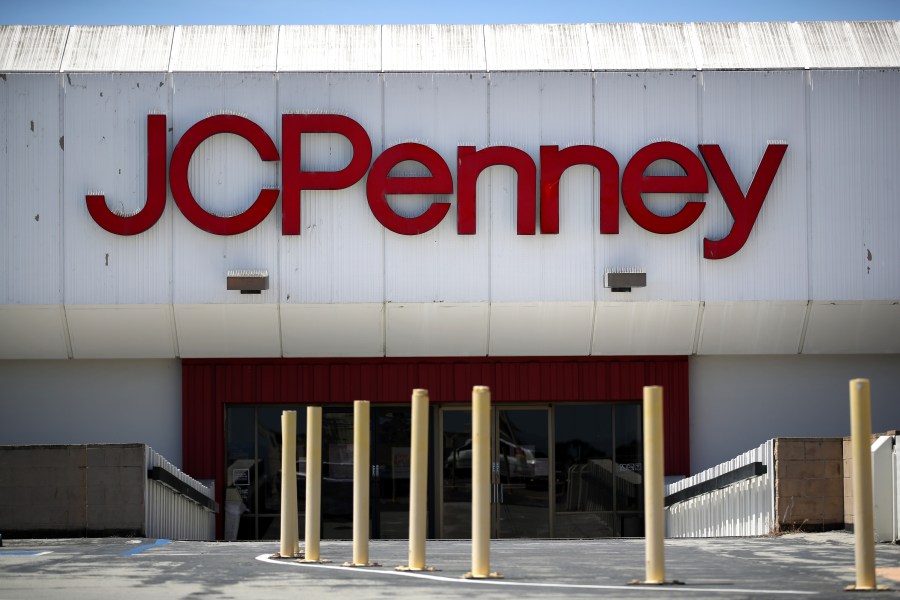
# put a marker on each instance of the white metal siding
(29, 186)
(339, 255)
(225, 175)
(105, 125)
(442, 111)
(632, 110)
(743, 113)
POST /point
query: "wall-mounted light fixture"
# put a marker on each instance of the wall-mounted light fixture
(248, 282)
(622, 280)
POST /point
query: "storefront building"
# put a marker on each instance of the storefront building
(204, 226)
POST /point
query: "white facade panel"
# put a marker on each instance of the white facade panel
(32, 331)
(120, 48)
(332, 330)
(31, 226)
(540, 328)
(121, 331)
(853, 328)
(339, 255)
(433, 48)
(652, 328)
(879, 156)
(751, 327)
(536, 47)
(632, 110)
(837, 253)
(225, 176)
(231, 48)
(106, 151)
(329, 48)
(743, 113)
(526, 111)
(442, 111)
(853, 212)
(32, 48)
(436, 329)
(227, 330)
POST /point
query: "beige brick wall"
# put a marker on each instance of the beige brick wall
(77, 489)
(809, 490)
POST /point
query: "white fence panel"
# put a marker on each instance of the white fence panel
(743, 508)
(172, 515)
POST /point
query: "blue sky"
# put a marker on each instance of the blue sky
(191, 12)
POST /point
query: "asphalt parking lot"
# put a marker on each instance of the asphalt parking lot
(789, 566)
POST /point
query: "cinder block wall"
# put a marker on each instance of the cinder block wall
(809, 483)
(80, 490)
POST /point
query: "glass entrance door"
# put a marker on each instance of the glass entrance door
(522, 472)
(520, 480)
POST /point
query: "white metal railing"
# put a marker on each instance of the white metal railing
(743, 508)
(173, 514)
(886, 489)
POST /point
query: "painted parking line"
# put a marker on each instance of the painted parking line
(643, 589)
(143, 547)
(24, 552)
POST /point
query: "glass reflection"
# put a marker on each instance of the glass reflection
(457, 461)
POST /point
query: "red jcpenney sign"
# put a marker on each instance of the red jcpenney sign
(470, 163)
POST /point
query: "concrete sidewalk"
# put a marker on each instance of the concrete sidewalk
(796, 566)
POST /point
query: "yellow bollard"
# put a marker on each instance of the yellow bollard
(289, 526)
(863, 518)
(418, 482)
(361, 468)
(654, 515)
(481, 484)
(313, 482)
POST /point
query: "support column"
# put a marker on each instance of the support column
(289, 528)
(313, 483)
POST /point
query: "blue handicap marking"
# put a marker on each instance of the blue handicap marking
(143, 547)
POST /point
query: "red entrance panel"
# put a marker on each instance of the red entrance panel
(209, 384)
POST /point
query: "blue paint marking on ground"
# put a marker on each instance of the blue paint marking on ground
(22, 553)
(140, 549)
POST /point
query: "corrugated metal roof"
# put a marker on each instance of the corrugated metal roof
(536, 48)
(31, 48)
(235, 48)
(669, 46)
(329, 48)
(617, 46)
(749, 46)
(118, 48)
(435, 48)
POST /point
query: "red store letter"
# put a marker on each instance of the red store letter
(381, 183)
(470, 163)
(744, 210)
(554, 162)
(178, 174)
(294, 179)
(156, 188)
(635, 183)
